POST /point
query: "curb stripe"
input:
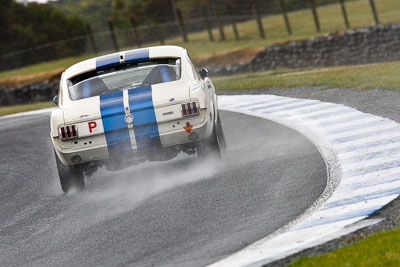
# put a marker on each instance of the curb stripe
(331, 219)
(345, 124)
(328, 115)
(296, 107)
(383, 166)
(374, 142)
(356, 116)
(363, 184)
(263, 107)
(369, 161)
(365, 135)
(369, 124)
(373, 155)
(361, 198)
(363, 155)
(259, 103)
(321, 107)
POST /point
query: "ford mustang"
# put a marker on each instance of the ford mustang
(129, 107)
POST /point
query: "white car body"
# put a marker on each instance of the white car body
(106, 135)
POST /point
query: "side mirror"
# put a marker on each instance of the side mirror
(204, 73)
(55, 100)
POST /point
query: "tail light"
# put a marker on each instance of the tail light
(68, 132)
(190, 109)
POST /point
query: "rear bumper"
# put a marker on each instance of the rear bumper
(172, 135)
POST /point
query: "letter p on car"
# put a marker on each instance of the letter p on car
(92, 125)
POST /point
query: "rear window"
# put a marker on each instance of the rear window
(124, 76)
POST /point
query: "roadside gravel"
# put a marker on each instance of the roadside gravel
(383, 103)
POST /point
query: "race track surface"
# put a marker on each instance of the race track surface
(178, 213)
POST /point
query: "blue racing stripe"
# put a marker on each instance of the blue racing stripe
(145, 123)
(108, 60)
(136, 54)
(115, 128)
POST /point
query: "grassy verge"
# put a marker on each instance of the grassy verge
(381, 75)
(379, 249)
(22, 108)
(302, 24)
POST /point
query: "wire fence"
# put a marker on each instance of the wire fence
(207, 19)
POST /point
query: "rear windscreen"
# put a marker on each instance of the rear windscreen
(124, 76)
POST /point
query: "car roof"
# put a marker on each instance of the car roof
(124, 56)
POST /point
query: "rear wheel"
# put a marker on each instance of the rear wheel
(209, 147)
(212, 146)
(70, 176)
(220, 134)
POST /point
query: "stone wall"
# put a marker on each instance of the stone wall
(32, 93)
(364, 45)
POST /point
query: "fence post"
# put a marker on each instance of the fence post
(161, 32)
(285, 17)
(91, 38)
(136, 33)
(372, 4)
(346, 20)
(174, 10)
(219, 24)
(235, 30)
(112, 33)
(259, 22)
(315, 15)
(205, 16)
(183, 29)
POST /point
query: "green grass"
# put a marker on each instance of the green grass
(6, 110)
(381, 75)
(331, 20)
(42, 67)
(379, 249)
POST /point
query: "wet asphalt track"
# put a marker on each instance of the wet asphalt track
(177, 213)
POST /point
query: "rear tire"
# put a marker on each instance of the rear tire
(220, 134)
(211, 147)
(70, 176)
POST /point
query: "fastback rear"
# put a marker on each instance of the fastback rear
(153, 120)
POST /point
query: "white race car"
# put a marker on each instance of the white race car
(129, 107)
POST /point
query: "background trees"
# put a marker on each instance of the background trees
(25, 26)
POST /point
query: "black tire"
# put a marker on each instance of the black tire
(70, 176)
(220, 134)
(209, 147)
